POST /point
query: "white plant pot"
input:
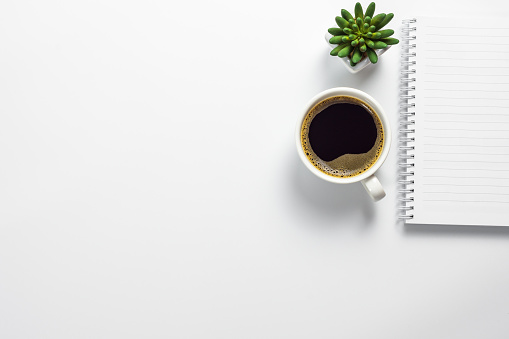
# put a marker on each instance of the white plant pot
(362, 64)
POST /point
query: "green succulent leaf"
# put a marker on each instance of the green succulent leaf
(367, 19)
(380, 44)
(390, 41)
(370, 43)
(355, 43)
(335, 31)
(336, 39)
(385, 33)
(342, 22)
(357, 55)
(345, 51)
(352, 63)
(377, 19)
(370, 10)
(358, 21)
(376, 36)
(336, 50)
(346, 15)
(372, 28)
(347, 30)
(372, 55)
(359, 13)
(386, 20)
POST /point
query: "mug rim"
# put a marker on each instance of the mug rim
(363, 96)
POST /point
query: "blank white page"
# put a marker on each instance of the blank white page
(462, 123)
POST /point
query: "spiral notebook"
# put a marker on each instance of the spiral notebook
(454, 140)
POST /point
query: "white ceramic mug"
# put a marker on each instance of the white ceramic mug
(367, 178)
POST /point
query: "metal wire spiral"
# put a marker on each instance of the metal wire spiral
(407, 120)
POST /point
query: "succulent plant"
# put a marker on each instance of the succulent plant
(358, 37)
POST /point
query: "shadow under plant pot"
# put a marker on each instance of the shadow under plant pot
(362, 64)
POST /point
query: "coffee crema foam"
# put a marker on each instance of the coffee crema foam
(347, 165)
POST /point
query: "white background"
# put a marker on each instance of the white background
(150, 186)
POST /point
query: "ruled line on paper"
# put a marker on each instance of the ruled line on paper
(465, 90)
(461, 185)
(483, 161)
(461, 177)
(465, 137)
(462, 35)
(476, 201)
(467, 82)
(470, 98)
(470, 122)
(465, 114)
(485, 106)
(469, 193)
(466, 59)
(466, 169)
(470, 74)
(464, 51)
(465, 129)
(461, 43)
(427, 144)
(466, 27)
(467, 67)
(468, 153)
(506, 114)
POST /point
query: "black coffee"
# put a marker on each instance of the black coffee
(342, 136)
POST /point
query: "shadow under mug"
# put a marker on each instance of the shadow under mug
(367, 178)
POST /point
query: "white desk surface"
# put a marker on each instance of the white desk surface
(150, 186)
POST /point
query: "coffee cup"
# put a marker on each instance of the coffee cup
(343, 136)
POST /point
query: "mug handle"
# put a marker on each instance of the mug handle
(373, 187)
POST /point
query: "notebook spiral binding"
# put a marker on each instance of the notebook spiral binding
(407, 120)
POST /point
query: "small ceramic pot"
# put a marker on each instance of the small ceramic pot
(362, 64)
